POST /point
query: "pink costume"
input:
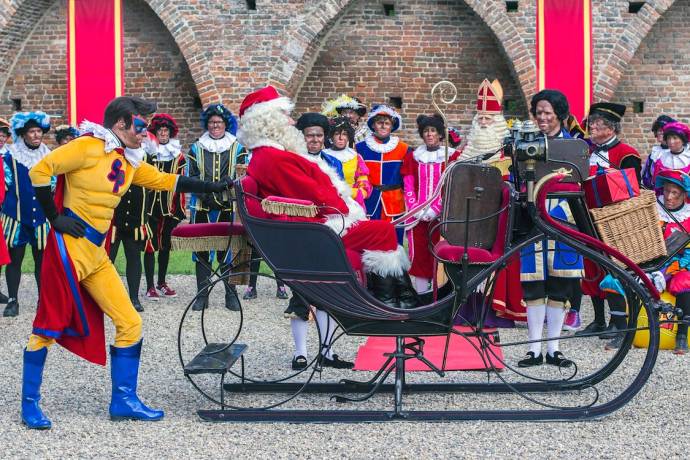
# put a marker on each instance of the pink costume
(421, 173)
(355, 171)
(676, 161)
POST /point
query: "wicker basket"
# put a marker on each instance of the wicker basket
(632, 227)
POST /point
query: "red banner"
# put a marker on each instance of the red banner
(94, 57)
(564, 51)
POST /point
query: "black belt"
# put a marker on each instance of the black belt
(387, 188)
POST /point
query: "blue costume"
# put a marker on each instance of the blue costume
(551, 269)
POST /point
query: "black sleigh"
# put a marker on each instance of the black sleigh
(485, 224)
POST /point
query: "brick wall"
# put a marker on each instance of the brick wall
(657, 76)
(377, 57)
(154, 68)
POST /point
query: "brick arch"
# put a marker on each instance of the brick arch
(303, 44)
(614, 65)
(193, 51)
(19, 19)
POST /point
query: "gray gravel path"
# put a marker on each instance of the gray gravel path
(76, 396)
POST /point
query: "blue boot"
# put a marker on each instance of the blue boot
(124, 370)
(32, 415)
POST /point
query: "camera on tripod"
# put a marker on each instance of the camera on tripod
(526, 142)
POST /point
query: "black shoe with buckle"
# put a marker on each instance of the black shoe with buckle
(615, 343)
(610, 332)
(12, 309)
(593, 328)
(200, 303)
(299, 362)
(335, 363)
(137, 305)
(558, 360)
(232, 302)
(531, 360)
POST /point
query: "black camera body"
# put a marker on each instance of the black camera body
(532, 149)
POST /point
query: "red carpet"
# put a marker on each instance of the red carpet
(462, 356)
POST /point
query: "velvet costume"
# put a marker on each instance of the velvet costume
(355, 173)
(421, 173)
(23, 220)
(212, 160)
(384, 161)
(96, 175)
(551, 269)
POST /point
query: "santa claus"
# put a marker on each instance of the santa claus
(281, 166)
(489, 127)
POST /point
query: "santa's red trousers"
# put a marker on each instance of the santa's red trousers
(371, 235)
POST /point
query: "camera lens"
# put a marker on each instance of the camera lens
(531, 151)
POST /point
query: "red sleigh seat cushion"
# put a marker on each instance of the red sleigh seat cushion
(447, 251)
(225, 229)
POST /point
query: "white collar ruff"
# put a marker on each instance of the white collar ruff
(681, 215)
(378, 147)
(169, 151)
(675, 160)
(343, 155)
(133, 156)
(423, 155)
(26, 156)
(216, 145)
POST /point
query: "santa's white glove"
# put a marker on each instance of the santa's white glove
(429, 215)
(658, 279)
(418, 215)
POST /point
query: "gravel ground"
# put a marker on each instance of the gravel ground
(76, 396)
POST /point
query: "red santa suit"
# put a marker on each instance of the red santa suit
(281, 173)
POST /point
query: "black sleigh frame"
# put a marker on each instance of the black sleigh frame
(311, 260)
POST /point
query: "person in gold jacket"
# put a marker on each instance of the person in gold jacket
(94, 172)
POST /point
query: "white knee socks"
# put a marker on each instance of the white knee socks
(299, 335)
(326, 328)
(421, 285)
(554, 323)
(535, 326)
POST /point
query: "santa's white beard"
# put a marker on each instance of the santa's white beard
(272, 127)
(483, 140)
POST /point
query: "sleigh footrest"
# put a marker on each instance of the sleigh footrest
(215, 358)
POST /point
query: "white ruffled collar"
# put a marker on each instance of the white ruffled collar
(5, 149)
(216, 145)
(423, 155)
(133, 156)
(379, 147)
(675, 160)
(343, 155)
(26, 156)
(681, 215)
(163, 152)
(656, 152)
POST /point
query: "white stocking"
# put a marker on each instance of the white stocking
(535, 326)
(326, 328)
(299, 335)
(554, 323)
(421, 285)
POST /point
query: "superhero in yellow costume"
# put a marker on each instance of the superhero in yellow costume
(79, 281)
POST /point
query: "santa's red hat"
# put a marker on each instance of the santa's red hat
(264, 99)
(489, 98)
